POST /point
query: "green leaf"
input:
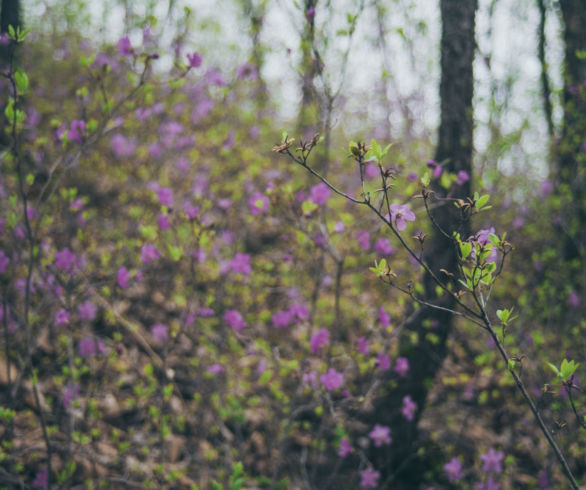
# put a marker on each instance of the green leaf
(465, 249)
(482, 201)
(495, 240)
(568, 368)
(426, 179)
(22, 82)
(308, 207)
(554, 368)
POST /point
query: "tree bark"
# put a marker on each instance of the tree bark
(400, 464)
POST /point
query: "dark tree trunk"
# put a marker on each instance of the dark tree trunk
(571, 175)
(400, 464)
(9, 16)
(308, 113)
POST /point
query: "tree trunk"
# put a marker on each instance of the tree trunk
(308, 112)
(400, 464)
(571, 175)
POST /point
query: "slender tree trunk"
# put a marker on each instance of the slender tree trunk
(400, 464)
(9, 16)
(571, 170)
(308, 112)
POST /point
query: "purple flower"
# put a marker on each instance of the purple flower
(240, 264)
(254, 132)
(4, 261)
(412, 177)
(369, 478)
(125, 47)
(258, 203)
(383, 317)
(318, 340)
(194, 60)
(163, 222)
(380, 435)
(122, 277)
(436, 169)
(190, 210)
(492, 461)
(310, 379)
(61, 318)
(87, 310)
(300, 312)
(65, 260)
(383, 247)
(345, 448)
(215, 368)
(402, 366)
(453, 470)
(363, 239)
(205, 312)
(463, 177)
(383, 361)
(76, 131)
(339, 227)
(160, 332)
(41, 479)
(319, 194)
(400, 214)
(574, 299)
(234, 320)
(229, 141)
(489, 484)
(87, 347)
(310, 14)
(320, 240)
(121, 146)
(70, 394)
(165, 195)
(409, 408)
(546, 187)
(247, 71)
(482, 238)
(362, 345)
(332, 379)
(215, 77)
(149, 253)
(282, 319)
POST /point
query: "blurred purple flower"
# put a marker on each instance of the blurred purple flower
(215, 368)
(76, 131)
(380, 435)
(122, 277)
(345, 448)
(160, 332)
(409, 408)
(165, 195)
(383, 247)
(363, 239)
(318, 340)
(453, 470)
(163, 222)
(125, 46)
(310, 14)
(574, 299)
(87, 347)
(362, 345)
(463, 177)
(121, 146)
(369, 478)
(402, 366)
(282, 319)
(65, 260)
(546, 187)
(205, 312)
(87, 310)
(383, 361)
(492, 461)
(240, 264)
(214, 77)
(332, 379)
(300, 312)
(4, 261)
(149, 253)
(247, 71)
(339, 227)
(61, 318)
(319, 194)
(194, 60)
(70, 394)
(42, 477)
(383, 317)
(234, 320)
(258, 203)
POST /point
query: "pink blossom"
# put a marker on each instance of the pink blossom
(70, 394)
(310, 14)
(165, 195)
(247, 71)
(318, 340)
(149, 253)
(160, 332)
(76, 131)
(546, 187)
(492, 461)
(215, 368)
(332, 379)
(121, 146)
(436, 169)
(453, 470)
(65, 260)
(234, 320)
(194, 60)
(87, 347)
(205, 312)
(122, 277)
(163, 222)
(362, 345)
(369, 478)
(383, 361)
(282, 319)
(240, 264)
(345, 448)
(409, 408)
(383, 247)
(383, 317)
(363, 239)
(299, 312)
(125, 46)
(87, 310)
(402, 366)
(190, 210)
(401, 214)
(61, 318)
(380, 435)
(319, 194)
(4, 261)
(574, 299)
(463, 177)
(42, 477)
(339, 227)
(258, 203)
